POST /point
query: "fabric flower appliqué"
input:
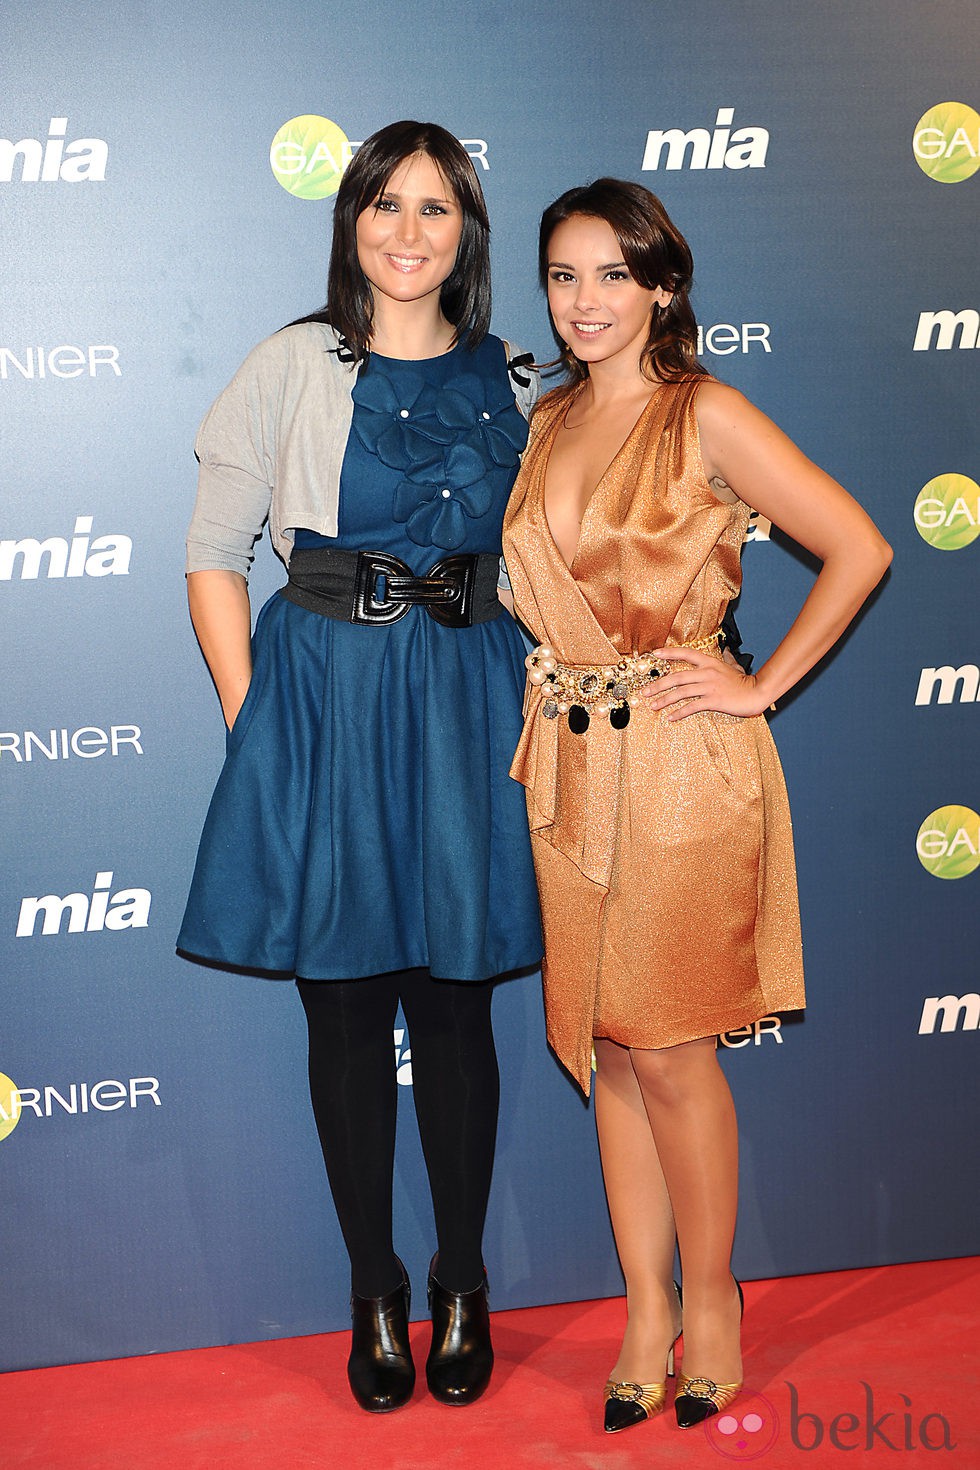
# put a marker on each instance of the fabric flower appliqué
(446, 441)
(485, 414)
(399, 425)
(435, 502)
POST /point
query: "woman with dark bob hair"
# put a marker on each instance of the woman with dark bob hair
(660, 827)
(364, 836)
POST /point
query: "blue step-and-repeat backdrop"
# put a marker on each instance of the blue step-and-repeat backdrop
(162, 1185)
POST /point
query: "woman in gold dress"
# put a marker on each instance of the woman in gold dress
(661, 830)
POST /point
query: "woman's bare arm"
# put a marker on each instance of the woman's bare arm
(744, 452)
(222, 620)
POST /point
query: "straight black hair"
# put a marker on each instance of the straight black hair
(465, 294)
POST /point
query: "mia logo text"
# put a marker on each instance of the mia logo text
(943, 330)
(127, 908)
(948, 1011)
(105, 556)
(54, 160)
(725, 147)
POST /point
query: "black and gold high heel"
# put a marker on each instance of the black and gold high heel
(626, 1404)
(699, 1398)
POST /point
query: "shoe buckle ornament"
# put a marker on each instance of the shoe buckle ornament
(707, 1390)
(629, 1393)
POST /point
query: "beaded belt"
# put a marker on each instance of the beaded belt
(374, 587)
(582, 690)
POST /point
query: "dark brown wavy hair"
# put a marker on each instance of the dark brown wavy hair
(465, 294)
(657, 255)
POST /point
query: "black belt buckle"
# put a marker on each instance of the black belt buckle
(446, 591)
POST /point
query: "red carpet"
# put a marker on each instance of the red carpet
(883, 1361)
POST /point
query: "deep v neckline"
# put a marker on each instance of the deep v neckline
(570, 565)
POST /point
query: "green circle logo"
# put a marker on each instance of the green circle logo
(947, 512)
(948, 843)
(946, 142)
(9, 1106)
(308, 156)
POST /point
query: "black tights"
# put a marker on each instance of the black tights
(355, 1092)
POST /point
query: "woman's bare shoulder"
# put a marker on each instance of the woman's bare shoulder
(718, 403)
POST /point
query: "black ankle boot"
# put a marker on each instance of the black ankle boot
(380, 1368)
(460, 1359)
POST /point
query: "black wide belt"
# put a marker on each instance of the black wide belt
(373, 587)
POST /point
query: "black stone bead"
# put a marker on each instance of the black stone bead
(578, 719)
(619, 717)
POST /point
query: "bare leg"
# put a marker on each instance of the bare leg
(641, 1214)
(692, 1120)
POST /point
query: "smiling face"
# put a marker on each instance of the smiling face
(597, 307)
(407, 238)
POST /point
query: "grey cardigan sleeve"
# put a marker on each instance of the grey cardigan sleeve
(236, 447)
(272, 447)
(525, 380)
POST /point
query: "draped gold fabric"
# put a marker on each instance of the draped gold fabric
(663, 852)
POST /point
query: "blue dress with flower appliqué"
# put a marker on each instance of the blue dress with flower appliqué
(364, 820)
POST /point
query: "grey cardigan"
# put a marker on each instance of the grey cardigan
(272, 444)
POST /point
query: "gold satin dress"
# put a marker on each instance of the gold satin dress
(663, 851)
